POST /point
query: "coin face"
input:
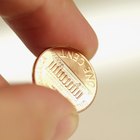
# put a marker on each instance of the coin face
(68, 72)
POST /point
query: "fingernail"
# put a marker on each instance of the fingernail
(3, 82)
(66, 127)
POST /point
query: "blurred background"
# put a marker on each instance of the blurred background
(115, 113)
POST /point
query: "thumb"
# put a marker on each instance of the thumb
(36, 113)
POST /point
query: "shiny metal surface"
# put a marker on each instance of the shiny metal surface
(68, 72)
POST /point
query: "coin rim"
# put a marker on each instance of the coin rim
(87, 61)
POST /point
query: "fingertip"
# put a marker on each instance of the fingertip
(55, 23)
(53, 115)
(66, 127)
(60, 111)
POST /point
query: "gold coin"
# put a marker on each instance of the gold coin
(68, 72)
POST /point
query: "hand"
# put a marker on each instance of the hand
(30, 112)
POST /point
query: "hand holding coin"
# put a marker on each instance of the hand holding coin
(33, 112)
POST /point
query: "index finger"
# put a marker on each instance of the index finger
(49, 23)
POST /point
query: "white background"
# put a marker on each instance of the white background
(115, 113)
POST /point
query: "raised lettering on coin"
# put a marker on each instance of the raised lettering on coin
(68, 72)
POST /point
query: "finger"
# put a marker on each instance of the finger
(3, 82)
(35, 113)
(49, 23)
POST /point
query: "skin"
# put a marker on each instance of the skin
(27, 111)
